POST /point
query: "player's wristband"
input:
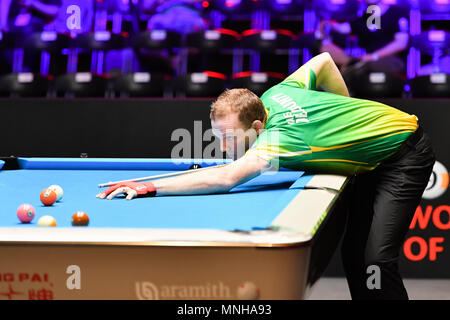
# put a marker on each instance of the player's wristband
(143, 188)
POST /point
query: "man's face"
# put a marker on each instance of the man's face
(234, 138)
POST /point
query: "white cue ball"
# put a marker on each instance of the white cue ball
(58, 190)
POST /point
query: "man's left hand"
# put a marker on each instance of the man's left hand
(132, 189)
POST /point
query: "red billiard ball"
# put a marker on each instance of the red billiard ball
(80, 218)
(48, 197)
(25, 213)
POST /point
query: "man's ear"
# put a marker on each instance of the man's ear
(258, 126)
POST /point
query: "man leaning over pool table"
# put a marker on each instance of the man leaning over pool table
(386, 152)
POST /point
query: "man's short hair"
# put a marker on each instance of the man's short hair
(247, 104)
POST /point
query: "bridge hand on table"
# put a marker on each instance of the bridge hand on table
(132, 189)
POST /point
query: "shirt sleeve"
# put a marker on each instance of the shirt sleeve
(306, 80)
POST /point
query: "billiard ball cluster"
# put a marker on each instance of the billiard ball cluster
(52, 194)
(49, 196)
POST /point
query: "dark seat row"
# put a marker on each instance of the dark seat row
(159, 39)
(200, 84)
(209, 40)
(203, 84)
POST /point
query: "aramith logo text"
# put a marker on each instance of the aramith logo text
(149, 291)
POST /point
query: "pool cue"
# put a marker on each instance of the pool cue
(166, 175)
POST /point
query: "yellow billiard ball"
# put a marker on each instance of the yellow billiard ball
(47, 221)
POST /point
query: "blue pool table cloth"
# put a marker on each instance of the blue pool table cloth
(253, 205)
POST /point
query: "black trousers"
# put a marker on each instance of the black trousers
(382, 206)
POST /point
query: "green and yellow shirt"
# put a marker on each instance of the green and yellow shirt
(324, 132)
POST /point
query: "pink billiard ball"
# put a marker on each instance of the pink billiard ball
(25, 213)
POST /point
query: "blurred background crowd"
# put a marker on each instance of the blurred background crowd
(184, 48)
